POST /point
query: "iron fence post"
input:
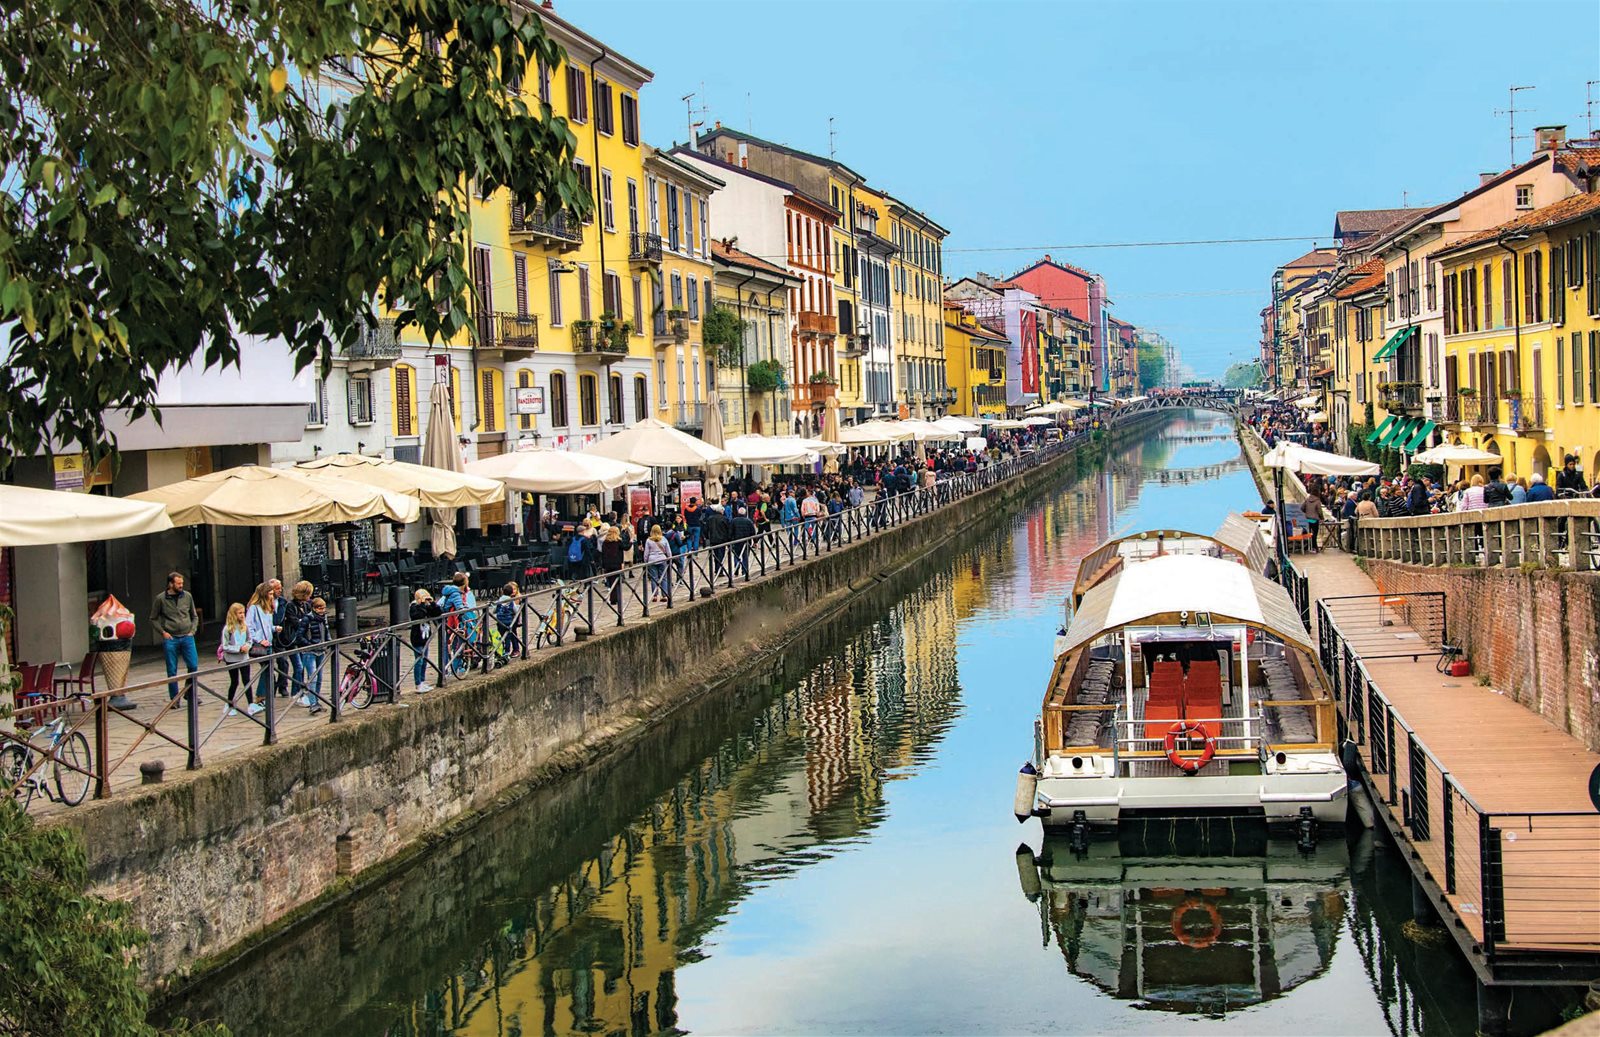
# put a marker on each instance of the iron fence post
(102, 747)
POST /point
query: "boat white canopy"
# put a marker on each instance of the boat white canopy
(1238, 536)
(1244, 536)
(1159, 589)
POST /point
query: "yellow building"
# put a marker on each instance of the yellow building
(556, 308)
(917, 301)
(1522, 337)
(975, 364)
(1358, 334)
(670, 252)
(1282, 321)
(754, 397)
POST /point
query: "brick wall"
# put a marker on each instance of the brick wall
(1533, 634)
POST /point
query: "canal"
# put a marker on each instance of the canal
(826, 846)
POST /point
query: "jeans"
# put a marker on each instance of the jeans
(239, 677)
(419, 669)
(659, 580)
(694, 538)
(174, 646)
(300, 664)
(264, 685)
(310, 665)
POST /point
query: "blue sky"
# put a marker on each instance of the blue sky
(1029, 127)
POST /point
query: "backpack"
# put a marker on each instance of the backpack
(575, 549)
(505, 614)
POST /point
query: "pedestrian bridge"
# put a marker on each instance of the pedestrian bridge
(1223, 401)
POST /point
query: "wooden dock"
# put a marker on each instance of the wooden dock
(1489, 798)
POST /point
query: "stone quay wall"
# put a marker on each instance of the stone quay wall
(216, 861)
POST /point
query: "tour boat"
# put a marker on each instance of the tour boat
(1205, 934)
(1184, 685)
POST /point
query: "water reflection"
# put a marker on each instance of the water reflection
(822, 847)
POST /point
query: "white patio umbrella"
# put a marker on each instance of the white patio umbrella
(655, 444)
(32, 517)
(1456, 454)
(1048, 408)
(1317, 415)
(256, 495)
(952, 423)
(558, 471)
(1308, 402)
(1036, 421)
(766, 450)
(442, 451)
(1292, 457)
(874, 433)
(923, 431)
(1008, 423)
(433, 487)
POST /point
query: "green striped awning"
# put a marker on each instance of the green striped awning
(1399, 434)
(1378, 433)
(1424, 430)
(1398, 339)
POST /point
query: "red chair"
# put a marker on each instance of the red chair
(38, 688)
(1202, 693)
(85, 683)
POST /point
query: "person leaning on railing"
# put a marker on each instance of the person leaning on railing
(424, 610)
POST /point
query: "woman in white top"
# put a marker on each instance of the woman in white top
(1472, 497)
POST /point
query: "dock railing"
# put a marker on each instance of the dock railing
(1563, 534)
(1511, 877)
(454, 647)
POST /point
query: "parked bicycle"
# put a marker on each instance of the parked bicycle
(70, 766)
(359, 684)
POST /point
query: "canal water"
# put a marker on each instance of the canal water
(827, 847)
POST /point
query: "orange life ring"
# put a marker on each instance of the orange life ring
(1182, 935)
(1183, 729)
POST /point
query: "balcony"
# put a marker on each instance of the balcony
(689, 415)
(855, 345)
(818, 323)
(819, 392)
(376, 344)
(560, 231)
(670, 328)
(507, 335)
(1523, 413)
(1401, 397)
(989, 395)
(607, 345)
(644, 248)
(1479, 410)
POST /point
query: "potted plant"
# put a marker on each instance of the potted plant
(1511, 394)
(764, 376)
(1466, 390)
(677, 314)
(617, 334)
(608, 321)
(582, 325)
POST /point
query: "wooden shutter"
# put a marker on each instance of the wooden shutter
(519, 266)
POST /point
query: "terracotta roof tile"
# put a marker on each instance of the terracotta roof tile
(1317, 257)
(730, 254)
(1364, 278)
(1370, 221)
(1553, 215)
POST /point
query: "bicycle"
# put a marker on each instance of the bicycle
(570, 603)
(72, 768)
(464, 649)
(359, 684)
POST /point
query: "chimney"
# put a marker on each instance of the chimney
(1484, 178)
(744, 155)
(1047, 257)
(719, 124)
(1548, 138)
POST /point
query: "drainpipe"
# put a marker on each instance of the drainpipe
(600, 235)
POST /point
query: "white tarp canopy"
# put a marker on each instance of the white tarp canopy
(1037, 421)
(255, 495)
(1317, 415)
(32, 517)
(656, 444)
(1455, 453)
(1219, 590)
(954, 424)
(923, 431)
(1004, 423)
(766, 450)
(559, 471)
(874, 433)
(1307, 402)
(1292, 457)
(1048, 408)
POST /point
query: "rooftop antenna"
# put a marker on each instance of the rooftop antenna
(1589, 103)
(833, 136)
(1511, 111)
(691, 111)
(749, 119)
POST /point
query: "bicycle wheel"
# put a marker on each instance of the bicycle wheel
(458, 662)
(364, 686)
(13, 762)
(72, 785)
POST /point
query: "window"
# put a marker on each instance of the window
(617, 417)
(544, 81)
(1411, 283)
(603, 119)
(630, 120)
(358, 393)
(577, 94)
(405, 400)
(583, 294)
(588, 399)
(613, 295)
(1524, 196)
(555, 295)
(706, 288)
(524, 381)
(682, 391)
(558, 399)
(694, 362)
(694, 301)
(1389, 293)
(1594, 366)
(1558, 286)
(705, 227)
(1432, 285)
(640, 398)
(455, 396)
(1577, 368)
(661, 381)
(1488, 295)
(654, 193)
(1561, 371)
(608, 210)
(672, 217)
(317, 414)
(677, 291)
(586, 178)
(1508, 292)
(633, 206)
(519, 270)
(638, 307)
(489, 400)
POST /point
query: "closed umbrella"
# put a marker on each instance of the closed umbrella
(31, 517)
(444, 452)
(711, 432)
(433, 487)
(655, 444)
(255, 495)
(558, 471)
